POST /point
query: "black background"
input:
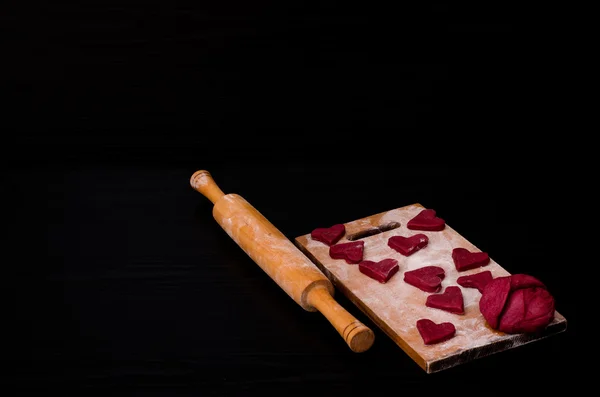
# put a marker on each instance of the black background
(122, 281)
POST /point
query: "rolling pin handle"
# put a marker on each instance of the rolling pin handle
(356, 335)
(203, 182)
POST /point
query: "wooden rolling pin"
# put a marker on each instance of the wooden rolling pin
(293, 271)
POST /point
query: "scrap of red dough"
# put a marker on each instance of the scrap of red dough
(467, 260)
(351, 252)
(427, 278)
(381, 271)
(518, 303)
(329, 235)
(493, 298)
(408, 245)
(435, 333)
(475, 280)
(451, 300)
(426, 220)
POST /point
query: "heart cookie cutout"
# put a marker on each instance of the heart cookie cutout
(475, 280)
(451, 300)
(435, 333)
(351, 252)
(329, 235)
(426, 220)
(466, 260)
(381, 271)
(408, 245)
(428, 278)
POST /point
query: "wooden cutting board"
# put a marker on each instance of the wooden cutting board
(396, 305)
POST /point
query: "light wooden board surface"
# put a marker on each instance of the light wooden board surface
(396, 306)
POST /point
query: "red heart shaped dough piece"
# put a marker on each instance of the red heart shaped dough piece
(435, 333)
(427, 278)
(466, 260)
(475, 280)
(426, 220)
(451, 300)
(381, 271)
(329, 235)
(351, 252)
(408, 245)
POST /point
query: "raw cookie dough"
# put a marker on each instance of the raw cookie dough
(451, 300)
(426, 220)
(428, 278)
(467, 260)
(381, 271)
(351, 252)
(475, 280)
(435, 333)
(329, 235)
(408, 245)
(518, 303)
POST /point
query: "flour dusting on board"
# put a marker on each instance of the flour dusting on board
(398, 304)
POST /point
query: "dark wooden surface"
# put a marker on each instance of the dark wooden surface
(120, 282)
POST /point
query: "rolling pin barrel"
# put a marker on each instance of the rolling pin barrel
(293, 271)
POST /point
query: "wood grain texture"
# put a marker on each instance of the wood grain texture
(396, 306)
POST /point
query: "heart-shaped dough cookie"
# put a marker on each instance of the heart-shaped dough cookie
(381, 271)
(329, 235)
(451, 300)
(435, 333)
(408, 245)
(466, 260)
(426, 220)
(475, 280)
(427, 278)
(351, 252)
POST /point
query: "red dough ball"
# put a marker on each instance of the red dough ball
(518, 303)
